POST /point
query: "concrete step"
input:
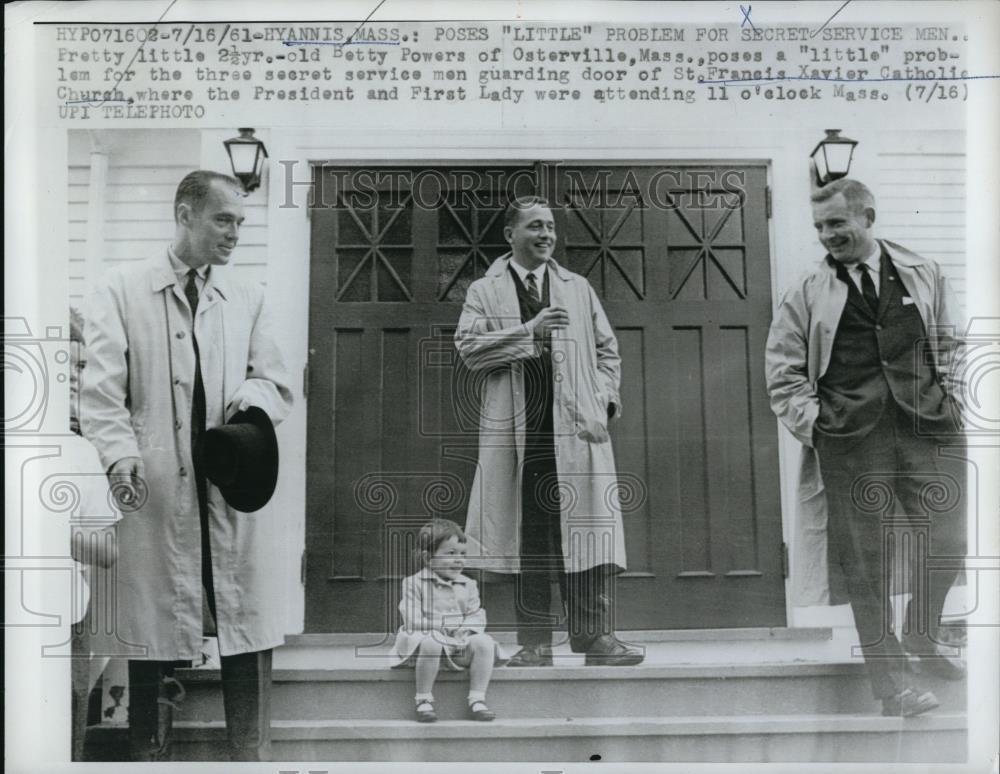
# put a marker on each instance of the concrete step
(357, 694)
(674, 646)
(559, 691)
(933, 738)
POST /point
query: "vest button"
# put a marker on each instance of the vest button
(178, 424)
(885, 363)
(878, 327)
(180, 334)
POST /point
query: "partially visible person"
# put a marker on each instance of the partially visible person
(92, 537)
(859, 368)
(444, 622)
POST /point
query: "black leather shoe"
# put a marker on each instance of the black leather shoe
(908, 703)
(479, 711)
(425, 711)
(531, 656)
(607, 651)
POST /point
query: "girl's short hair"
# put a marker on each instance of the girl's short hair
(432, 535)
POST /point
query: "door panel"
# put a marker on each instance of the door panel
(679, 257)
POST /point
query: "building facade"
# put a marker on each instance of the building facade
(689, 240)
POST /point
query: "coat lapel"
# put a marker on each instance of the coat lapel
(855, 298)
(507, 309)
(842, 277)
(888, 285)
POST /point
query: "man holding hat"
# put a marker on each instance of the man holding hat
(183, 384)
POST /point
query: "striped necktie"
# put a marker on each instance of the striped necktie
(532, 286)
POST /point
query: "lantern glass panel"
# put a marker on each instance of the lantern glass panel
(822, 170)
(244, 157)
(838, 158)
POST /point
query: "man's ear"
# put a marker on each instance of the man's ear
(184, 214)
(870, 214)
(507, 233)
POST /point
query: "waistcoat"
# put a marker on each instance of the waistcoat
(878, 356)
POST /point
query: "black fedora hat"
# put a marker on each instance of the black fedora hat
(241, 459)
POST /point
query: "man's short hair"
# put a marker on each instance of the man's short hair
(858, 196)
(521, 203)
(194, 188)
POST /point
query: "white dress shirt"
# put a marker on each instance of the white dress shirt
(874, 262)
(181, 269)
(539, 273)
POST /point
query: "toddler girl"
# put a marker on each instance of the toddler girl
(443, 622)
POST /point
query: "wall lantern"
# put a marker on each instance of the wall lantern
(246, 154)
(832, 156)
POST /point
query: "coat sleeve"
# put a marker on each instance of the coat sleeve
(474, 620)
(481, 348)
(609, 363)
(267, 383)
(793, 398)
(104, 414)
(948, 337)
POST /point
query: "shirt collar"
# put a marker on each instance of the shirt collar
(874, 260)
(181, 269)
(523, 272)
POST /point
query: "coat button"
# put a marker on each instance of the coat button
(878, 327)
(180, 334)
(177, 381)
(178, 424)
(885, 363)
(183, 471)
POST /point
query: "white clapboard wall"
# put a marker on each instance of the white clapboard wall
(143, 170)
(921, 205)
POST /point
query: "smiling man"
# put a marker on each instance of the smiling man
(177, 346)
(544, 503)
(859, 363)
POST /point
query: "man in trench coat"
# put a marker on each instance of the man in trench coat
(177, 345)
(860, 364)
(544, 501)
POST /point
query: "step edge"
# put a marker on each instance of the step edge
(637, 636)
(784, 670)
(371, 730)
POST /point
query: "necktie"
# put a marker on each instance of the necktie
(198, 415)
(191, 291)
(198, 394)
(868, 286)
(532, 286)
